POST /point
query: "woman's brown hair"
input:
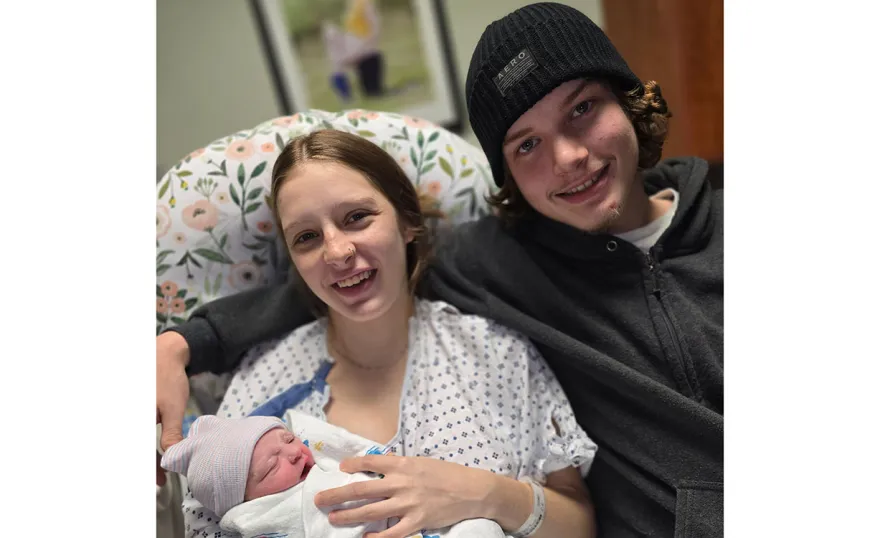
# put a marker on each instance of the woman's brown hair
(649, 115)
(385, 175)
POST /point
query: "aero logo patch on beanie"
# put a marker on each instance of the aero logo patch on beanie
(521, 65)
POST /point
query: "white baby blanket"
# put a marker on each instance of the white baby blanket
(293, 514)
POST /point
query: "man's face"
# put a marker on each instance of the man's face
(574, 156)
(280, 461)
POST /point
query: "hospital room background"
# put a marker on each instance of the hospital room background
(224, 66)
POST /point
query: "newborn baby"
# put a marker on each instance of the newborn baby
(279, 462)
(261, 478)
(251, 473)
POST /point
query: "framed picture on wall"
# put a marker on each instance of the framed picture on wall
(383, 55)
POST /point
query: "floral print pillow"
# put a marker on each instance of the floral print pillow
(214, 231)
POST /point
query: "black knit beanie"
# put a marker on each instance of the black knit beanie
(526, 55)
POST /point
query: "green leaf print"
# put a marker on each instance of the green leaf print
(255, 193)
(430, 156)
(185, 173)
(279, 141)
(421, 140)
(160, 257)
(181, 294)
(368, 134)
(162, 268)
(191, 302)
(217, 282)
(178, 320)
(253, 207)
(159, 291)
(412, 155)
(434, 136)
(466, 172)
(161, 318)
(241, 174)
(164, 188)
(444, 164)
(212, 255)
(223, 168)
(427, 168)
(234, 195)
(258, 169)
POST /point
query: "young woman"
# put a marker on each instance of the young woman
(474, 422)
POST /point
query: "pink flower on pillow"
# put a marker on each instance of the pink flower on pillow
(418, 123)
(244, 276)
(240, 150)
(161, 306)
(267, 147)
(178, 306)
(435, 188)
(201, 215)
(163, 221)
(169, 288)
(286, 121)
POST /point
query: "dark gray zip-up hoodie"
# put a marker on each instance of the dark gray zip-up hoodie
(636, 342)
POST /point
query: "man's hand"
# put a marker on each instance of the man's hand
(172, 390)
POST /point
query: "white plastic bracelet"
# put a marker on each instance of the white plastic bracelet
(539, 510)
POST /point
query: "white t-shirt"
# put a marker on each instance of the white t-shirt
(646, 237)
(474, 393)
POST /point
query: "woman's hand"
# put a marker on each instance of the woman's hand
(172, 390)
(424, 493)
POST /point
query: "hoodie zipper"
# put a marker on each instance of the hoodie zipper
(670, 328)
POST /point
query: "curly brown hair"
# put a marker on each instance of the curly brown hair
(646, 109)
(414, 209)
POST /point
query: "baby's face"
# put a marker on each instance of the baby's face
(279, 462)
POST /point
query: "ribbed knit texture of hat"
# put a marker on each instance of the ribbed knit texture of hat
(215, 458)
(526, 55)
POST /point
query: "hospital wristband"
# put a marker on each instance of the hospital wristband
(539, 510)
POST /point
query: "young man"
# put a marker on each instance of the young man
(611, 263)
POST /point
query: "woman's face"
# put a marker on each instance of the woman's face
(279, 462)
(344, 239)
